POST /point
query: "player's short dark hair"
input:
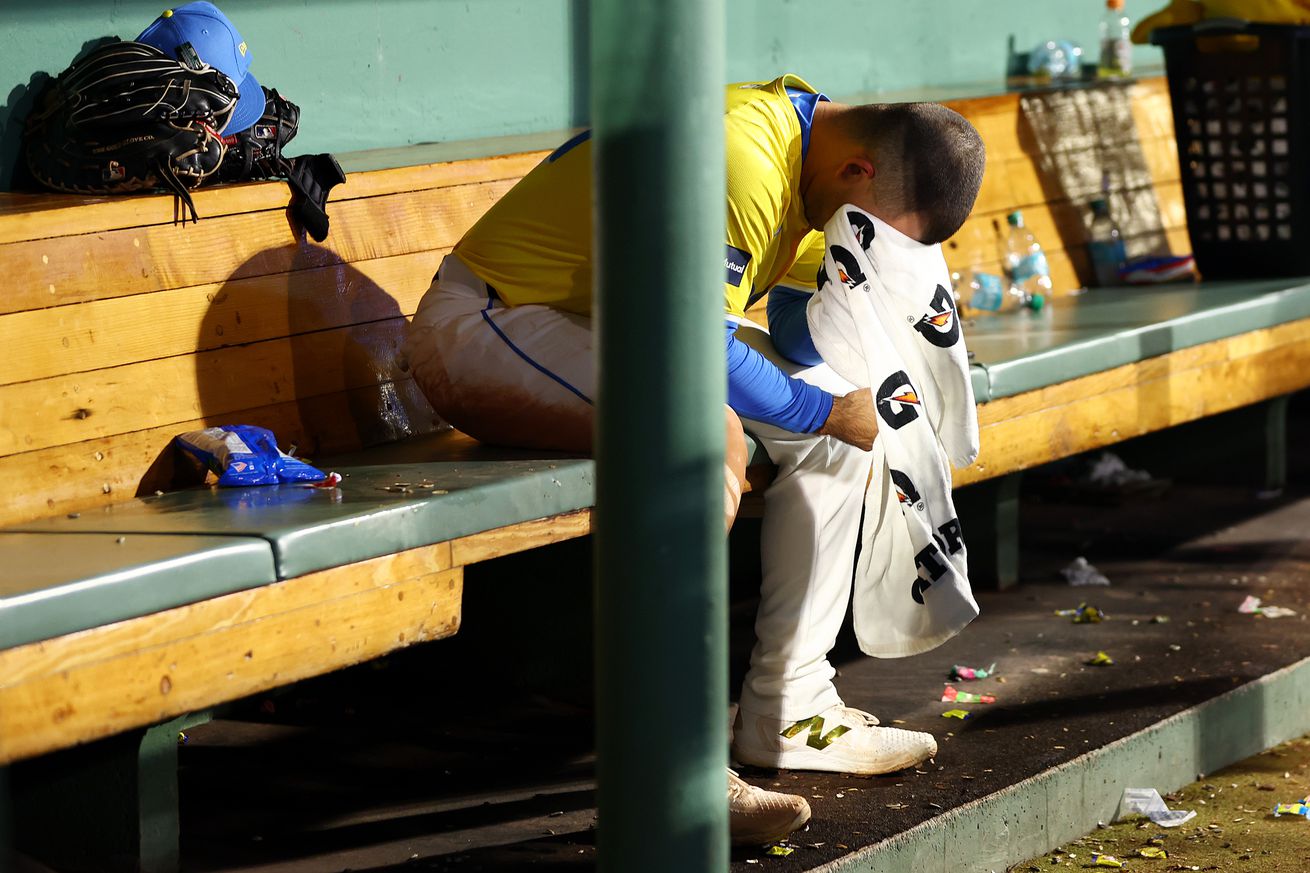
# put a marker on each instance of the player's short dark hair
(928, 160)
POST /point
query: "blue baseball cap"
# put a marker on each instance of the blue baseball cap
(217, 43)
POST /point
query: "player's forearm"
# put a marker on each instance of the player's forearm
(758, 390)
(852, 419)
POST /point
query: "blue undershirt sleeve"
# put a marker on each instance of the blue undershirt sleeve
(789, 328)
(758, 390)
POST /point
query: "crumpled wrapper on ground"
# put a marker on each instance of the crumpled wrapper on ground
(951, 695)
(1110, 471)
(967, 674)
(1148, 802)
(1081, 573)
(1251, 606)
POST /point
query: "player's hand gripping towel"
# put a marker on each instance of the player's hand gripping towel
(884, 318)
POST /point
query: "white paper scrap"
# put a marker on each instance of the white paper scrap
(1082, 573)
(1148, 802)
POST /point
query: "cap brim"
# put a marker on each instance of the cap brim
(249, 108)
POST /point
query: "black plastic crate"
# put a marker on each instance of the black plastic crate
(1240, 105)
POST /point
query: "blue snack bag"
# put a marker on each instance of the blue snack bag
(291, 469)
(244, 454)
(229, 457)
(284, 467)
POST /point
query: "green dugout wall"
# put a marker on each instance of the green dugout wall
(384, 73)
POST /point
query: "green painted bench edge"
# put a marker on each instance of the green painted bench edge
(318, 529)
(141, 575)
(1226, 309)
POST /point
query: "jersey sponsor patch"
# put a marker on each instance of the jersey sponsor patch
(735, 261)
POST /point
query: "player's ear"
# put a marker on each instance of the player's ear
(857, 169)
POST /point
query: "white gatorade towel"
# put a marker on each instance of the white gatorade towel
(884, 318)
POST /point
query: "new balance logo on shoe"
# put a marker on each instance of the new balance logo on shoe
(817, 738)
(839, 739)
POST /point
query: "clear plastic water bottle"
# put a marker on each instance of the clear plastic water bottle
(986, 292)
(1105, 245)
(1056, 60)
(1025, 265)
(1116, 42)
(977, 291)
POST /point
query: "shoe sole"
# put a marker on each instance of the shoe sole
(825, 761)
(759, 838)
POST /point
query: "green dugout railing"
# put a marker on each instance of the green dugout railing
(657, 76)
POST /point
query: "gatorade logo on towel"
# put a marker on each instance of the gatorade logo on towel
(863, 227)
(735, 261)
(848, 269)
(940, 326)
(905, 490)
(897, 400)
(931, 562)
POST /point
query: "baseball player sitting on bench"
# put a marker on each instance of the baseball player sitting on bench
(502, 347)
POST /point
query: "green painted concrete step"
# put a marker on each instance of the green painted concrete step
(1057, 805)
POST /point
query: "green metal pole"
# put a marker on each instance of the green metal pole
(657, 78)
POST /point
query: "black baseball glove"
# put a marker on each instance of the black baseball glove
(256, 153)
(129, 118)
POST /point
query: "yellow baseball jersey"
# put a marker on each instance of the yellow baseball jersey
(805, 269)
(534, 244)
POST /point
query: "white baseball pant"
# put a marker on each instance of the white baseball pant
(490, 368)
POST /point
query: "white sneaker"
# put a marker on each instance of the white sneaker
(840, 739)
(757, 816)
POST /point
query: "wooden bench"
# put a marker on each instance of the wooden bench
(124, 329)
(121, 609)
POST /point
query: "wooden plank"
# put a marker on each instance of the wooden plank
(116, 263)
(1010, 184)
(420, 156)
(77, 476)
(106, 680)
(35, 660)
(519, 537)
(96, 334)
(1000, 121)
(40, 216)
(1152, 109)
(1105, 408)
(1162, 159)
(1057, 224)
(81, 406)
